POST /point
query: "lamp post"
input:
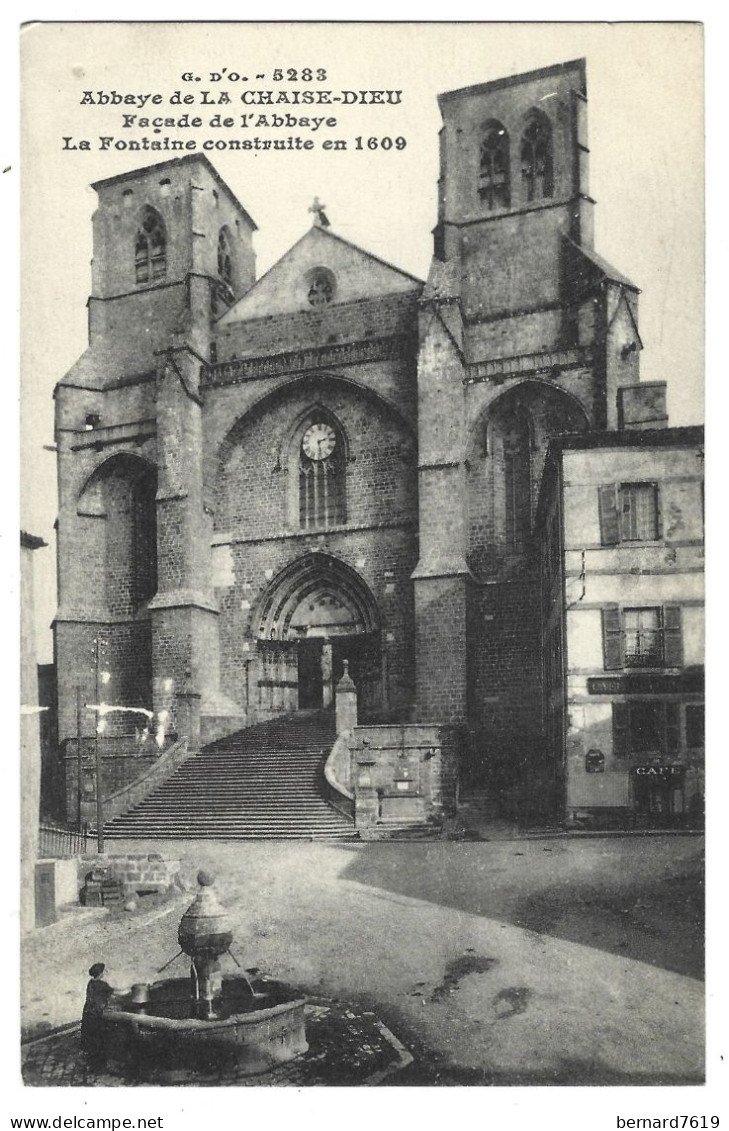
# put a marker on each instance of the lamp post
(99, 644)
(79, 755)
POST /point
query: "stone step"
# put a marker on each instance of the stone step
(262, 782)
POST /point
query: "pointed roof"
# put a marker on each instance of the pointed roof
(356, 274)
(444, 282)
(602, 265)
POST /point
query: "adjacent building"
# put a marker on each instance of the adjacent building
(622, 550)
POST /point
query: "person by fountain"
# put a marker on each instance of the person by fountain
(203, 1021)
(93, 1031)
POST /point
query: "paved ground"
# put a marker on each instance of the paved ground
(563, 961)
(346, 1047)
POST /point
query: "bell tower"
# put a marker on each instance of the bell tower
(172, 250)
(525, 333)
(513, 186)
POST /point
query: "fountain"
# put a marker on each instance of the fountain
(244, 1019)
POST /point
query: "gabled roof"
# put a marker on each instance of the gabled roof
(358, 275)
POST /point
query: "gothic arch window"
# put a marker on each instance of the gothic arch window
(517, 480)
(144, 538)
(225, 259)
(150, 247)
(493, 171)
(322, 473)
(536, 158)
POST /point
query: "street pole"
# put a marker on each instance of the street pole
(99, 790)
(79, 779)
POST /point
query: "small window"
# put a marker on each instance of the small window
(150, 248)
(628, 513)
(493, 177)
(647, 637)
(320, 287)
(643, 638)
(646, 727)
(536, 159)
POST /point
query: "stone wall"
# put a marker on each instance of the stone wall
(403, 775)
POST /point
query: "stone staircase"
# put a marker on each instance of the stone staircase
(264, 782)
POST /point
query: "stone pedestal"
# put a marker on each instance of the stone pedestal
(346, 702)
(188, 715)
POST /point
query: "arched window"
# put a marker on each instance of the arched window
(144, 538)
(322, 470)
(517, 481)
(225, 259)
(536, 159)
(493, 174)
(150, 248)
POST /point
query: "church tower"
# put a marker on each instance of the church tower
(525, 333)
(172, 250)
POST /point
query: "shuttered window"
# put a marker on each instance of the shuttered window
(672, 638)
(642, 638)
(628, 513)
(612, 638)
(621, 730)
(648, 637)
(646, 727)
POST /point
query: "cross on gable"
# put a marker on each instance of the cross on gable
(320, 217)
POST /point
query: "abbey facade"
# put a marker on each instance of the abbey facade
(261, 478)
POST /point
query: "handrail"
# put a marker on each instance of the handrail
(338, 795)
(122, 799)
(59, 841)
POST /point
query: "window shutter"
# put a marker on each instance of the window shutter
(621, 730)
(609, 527)
(672, 732)
(672, 639)
(612, 639)
(659, 515)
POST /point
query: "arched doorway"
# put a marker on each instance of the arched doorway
(315, 614)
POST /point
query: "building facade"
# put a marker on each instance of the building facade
(621, 525)
(259, 478)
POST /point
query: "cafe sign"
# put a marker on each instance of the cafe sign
(664, 773)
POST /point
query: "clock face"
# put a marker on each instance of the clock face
(319, 441)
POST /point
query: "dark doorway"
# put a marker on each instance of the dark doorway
(658, 796)
(311, 683)
(363, 654)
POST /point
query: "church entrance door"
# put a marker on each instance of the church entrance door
(311, 679)
(316, 613)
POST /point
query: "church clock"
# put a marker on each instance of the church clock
(319, 441)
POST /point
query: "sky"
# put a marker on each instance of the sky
(645, 133)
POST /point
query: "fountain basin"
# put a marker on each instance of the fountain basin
(251, 1034)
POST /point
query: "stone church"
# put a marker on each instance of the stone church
(261, 478)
